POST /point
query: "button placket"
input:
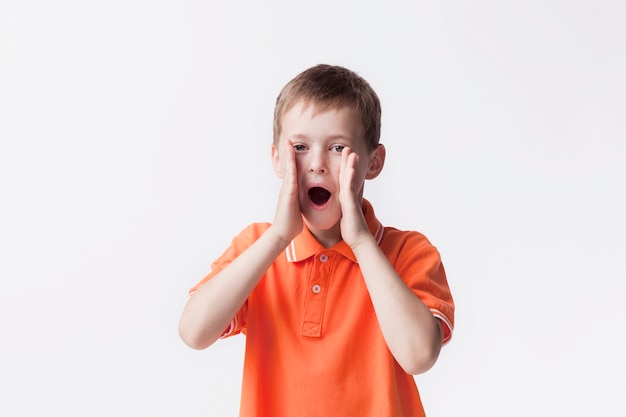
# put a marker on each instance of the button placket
(315, 299)
(317, 288)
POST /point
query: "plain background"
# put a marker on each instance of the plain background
(135, 142)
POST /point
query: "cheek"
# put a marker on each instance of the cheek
(361, 171)
(335, 169)
(299, 160)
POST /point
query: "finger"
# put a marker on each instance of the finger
(354, 161)
(343, 167)
(348, 168)
(289, 162)
(351, 170)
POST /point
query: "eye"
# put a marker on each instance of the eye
(299, 147)
(337, 148)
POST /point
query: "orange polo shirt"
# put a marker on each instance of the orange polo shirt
(313, 344)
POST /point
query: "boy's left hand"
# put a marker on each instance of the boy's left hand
(353, 226)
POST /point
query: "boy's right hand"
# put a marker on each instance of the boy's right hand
(288, 219)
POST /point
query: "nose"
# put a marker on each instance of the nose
(317, 163)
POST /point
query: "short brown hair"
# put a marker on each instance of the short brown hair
(332, 87)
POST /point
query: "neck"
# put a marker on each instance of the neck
(327, 238)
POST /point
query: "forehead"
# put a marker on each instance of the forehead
(311, 123)
(306, 113)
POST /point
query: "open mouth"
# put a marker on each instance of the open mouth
(319, 195)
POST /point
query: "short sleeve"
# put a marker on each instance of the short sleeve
(419, 264)
(238, 245)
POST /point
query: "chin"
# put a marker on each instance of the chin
(322, 220)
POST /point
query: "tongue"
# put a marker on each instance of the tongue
(319, 195)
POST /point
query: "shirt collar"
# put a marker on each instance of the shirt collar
(305, 245)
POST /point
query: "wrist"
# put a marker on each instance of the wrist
(276, 239)
(364, 241)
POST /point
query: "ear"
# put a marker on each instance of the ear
(276, 162)
(377, 161)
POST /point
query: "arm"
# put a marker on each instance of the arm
(211, 307)
(414, 336)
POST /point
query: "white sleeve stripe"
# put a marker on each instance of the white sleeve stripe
(290, 251)
(438, 314)
(231, 328)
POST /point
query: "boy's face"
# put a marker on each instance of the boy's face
(318, 139)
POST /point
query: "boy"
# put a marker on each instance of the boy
(339, 312)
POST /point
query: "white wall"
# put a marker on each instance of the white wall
(135, 142)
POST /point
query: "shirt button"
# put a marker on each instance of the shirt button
(316, 289)
(323, 258)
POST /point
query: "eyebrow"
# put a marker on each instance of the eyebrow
(331, 137)
(298, 136)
